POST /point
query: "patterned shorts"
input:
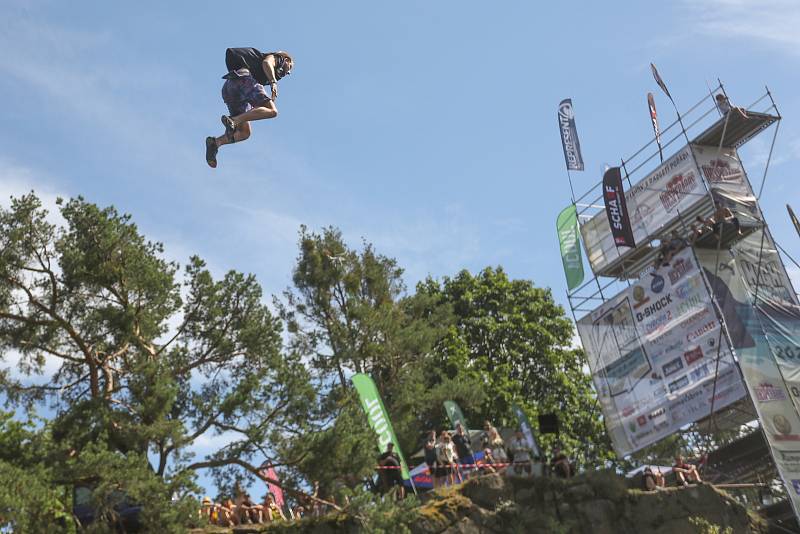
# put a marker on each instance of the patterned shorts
(242, 94)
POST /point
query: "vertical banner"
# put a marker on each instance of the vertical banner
(792, 216)
(567, 227)
(377, 416)
(651, 104)
(527, 430)
(455, 415)
(765, 330)
(569, 136)
(616, 210)
(268, 471)
(660, 82)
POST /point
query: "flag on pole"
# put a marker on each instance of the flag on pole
(660, 82)
(616, 210)
(792, 216)
(651, 103)
(567, 228)
(569, 136)
(378, 417)
(527, 430)
(454, 414)
(268, 471)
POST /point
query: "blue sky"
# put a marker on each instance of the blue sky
(427, 128)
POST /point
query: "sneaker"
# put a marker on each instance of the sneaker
(230, 127)
(211, 152)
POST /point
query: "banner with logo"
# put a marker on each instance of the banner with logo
(567, 227)
(764, 323)
(527, 430)
(728, 182)
(658, 199)
(569, 136)
(455, 415)
(616, 209)
(654, 350)
(377, 416)
(651, 104)
(268, 471)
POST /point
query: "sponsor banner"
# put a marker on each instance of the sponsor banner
(765, 332)
(660, 82)
(727, 181)
(651, 105)
(527, 430)
(377, 416)
(569, 136)
(268, 471)
(616, 209)
(455, 415)
(653, 352)
(653, 202)
(567, 227)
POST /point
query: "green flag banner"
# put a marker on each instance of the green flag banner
(527, 430)
(377, 416)
(567, 226)
(455, 415)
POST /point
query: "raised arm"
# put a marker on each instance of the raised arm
(269, 70)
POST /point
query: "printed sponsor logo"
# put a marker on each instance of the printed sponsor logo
(660, 392)
(679, 269)
(657, 306)
(693, 301)
(766, 392)
(684, 290)
(676, 188)
(784, 428)
(658, 323)
(718, 170)
(695, 317)
(643, 211)
(682, 382)
(565, 117)
(641, 435)
(693, 355)
(699, 332)
(642, 420)
(657, 414)
(699, 373)
(627, 411)
(672, 367)
(649, 182)
(632, 426)
(640, 297)
(657, 285)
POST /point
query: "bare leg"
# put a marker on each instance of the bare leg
(267, 111)
(242, 132)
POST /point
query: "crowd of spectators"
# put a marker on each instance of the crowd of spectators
(242, 510)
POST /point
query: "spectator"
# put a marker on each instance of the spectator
(651, 481)
(491, 439)
(463, 449)
(226, 514)
(685, 472)
(392, 476)
(446, 458)
(430, 456)
(518, 447)
(724, 105)
(559, 464)
(299, 512)
(209, 510)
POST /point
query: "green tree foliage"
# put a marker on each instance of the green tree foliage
(516, 340)
(146, 360)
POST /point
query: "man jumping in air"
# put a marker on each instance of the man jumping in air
(243, 92)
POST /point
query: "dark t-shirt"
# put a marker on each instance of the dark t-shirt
(430, 455)
(393, 458)
(252, 59)
(463, 447)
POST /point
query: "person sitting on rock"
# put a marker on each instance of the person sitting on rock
(685, 472)
(652, 481)
(559, 464)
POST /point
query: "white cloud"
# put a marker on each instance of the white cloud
(769, 22)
